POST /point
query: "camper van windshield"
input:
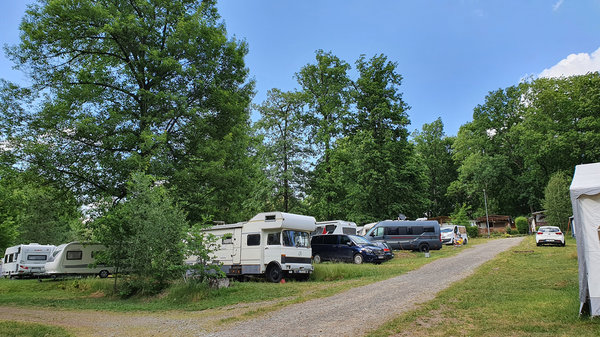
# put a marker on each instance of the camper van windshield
(446, 229)
(296, 239)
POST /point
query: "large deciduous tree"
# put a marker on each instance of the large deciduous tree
(524, 134)
(434, 150)
(326, 88)
(122, 86)
(285, 146)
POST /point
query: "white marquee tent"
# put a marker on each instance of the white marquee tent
(585, 199)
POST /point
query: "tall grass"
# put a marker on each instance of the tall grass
(528, 291)
(19, 329)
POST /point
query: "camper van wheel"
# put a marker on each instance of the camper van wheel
(424, 248)
(274, 273)
(103, 274)
(358, 259)
(317, 258)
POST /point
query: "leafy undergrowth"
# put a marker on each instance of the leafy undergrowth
(527, 291)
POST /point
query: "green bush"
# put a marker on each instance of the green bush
(472, 231)
(522, 225)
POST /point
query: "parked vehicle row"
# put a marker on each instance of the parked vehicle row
(33, 260)
(271, 244)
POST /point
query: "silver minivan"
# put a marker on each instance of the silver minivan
(401, 234)
(452, 232)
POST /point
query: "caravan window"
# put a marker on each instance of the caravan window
(296, 239)
(349, 230)
(273, 239)
(74, 254)
(429, 229)
(253, 240)
(36, 257)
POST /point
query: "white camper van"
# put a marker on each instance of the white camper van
(335, 227)
(76, 258)
(26, 260)
(270, 244)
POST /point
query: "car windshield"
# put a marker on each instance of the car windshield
(446, 230)
(296, 239)
(359, 240)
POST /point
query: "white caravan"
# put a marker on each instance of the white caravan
(25, 260)
(76, 258)
(270, 244)
(585, 199)
(335, 227)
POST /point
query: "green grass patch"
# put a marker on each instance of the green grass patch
(20, 329)
(527, 291)
(328, 279)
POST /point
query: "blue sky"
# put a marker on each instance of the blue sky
(451, 53)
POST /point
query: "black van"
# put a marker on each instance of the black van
(414, 235)
(349, 248)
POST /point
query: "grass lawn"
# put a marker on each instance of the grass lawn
(18, 329)
(527, 291)
(328, 279)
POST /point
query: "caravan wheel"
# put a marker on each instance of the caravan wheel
(103, 274)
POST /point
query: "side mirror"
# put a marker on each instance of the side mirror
(349, 243)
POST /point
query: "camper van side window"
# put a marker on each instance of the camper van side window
(273, 239)
(391, 230)
(377, 232)
(74, 254)
(253, 240)
(428, 229)
(227, 238)
(417, 230)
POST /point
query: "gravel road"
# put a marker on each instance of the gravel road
(362, 309)
(351, 313)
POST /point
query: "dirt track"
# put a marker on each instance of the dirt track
(351, 313)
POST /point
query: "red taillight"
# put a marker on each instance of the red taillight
(386, 250)
(559, 233)
(23, 267)
(540, 233)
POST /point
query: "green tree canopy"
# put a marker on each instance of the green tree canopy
(124, 86)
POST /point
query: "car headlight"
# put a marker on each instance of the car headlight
(367, 250)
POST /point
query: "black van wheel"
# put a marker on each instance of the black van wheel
(103, 274)
(423, 248)
(317, 258)
(274, 273)
(358, 259)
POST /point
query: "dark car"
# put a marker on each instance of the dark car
(350, 248)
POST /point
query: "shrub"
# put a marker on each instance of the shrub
(522, 224)
(472, 231)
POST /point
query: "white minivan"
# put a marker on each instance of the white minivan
(451, 232)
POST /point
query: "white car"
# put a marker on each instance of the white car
(551, 235)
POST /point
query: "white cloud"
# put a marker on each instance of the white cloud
(557, 5)
(574, 64)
